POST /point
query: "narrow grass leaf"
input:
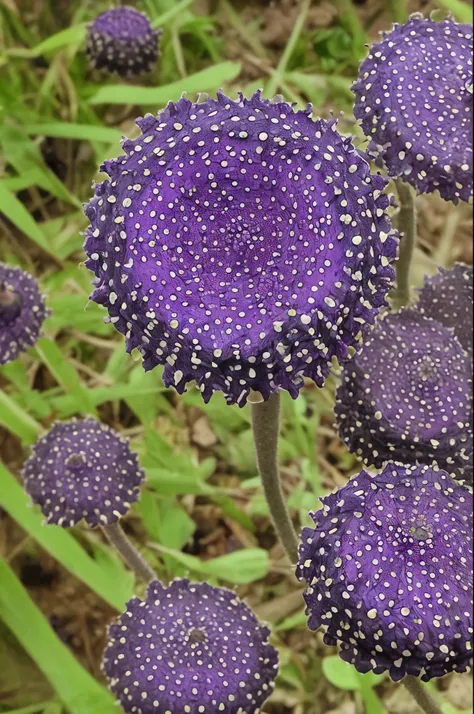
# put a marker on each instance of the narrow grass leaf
(16, 212)
(65, 374)
(241, 567)
(461, 10)
(17, 421)
(210, 79)
(81, 132)
(79, 691)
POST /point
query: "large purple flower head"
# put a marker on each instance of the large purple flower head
(407, 396)
(414, 99)
(389, 572)
(121, 40)
(190, 649)
(240, 244)
(22, 312)
(448, 298)
(82, 469)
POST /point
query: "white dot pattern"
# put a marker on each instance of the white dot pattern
(414, 100)
(389, 572)
(407, 395)
(22, 312)
(190, 649)
(240, 244)
(82, 469)
(122, 41)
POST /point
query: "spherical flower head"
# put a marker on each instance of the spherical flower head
(22, 312)
(389, 572)
(189, 649)
(82, 469)
(240, 244)
(407, 395)
(123, 41)
(448, 298)
(414, 100)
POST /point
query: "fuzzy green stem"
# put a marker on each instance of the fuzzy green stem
(278, 75)
(406, 223)
(116, 536)
(266, 430)
(424, 700)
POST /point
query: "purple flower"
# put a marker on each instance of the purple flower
(389, 572)
(82, 470)
(414, 100)
(22, 312)
(122, 40)
(240, 244)
(448, 298)
(189, 649)
(407, 396)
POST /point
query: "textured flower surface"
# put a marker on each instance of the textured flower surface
(122, 40)
(407, 396)
(448, 298)
(22, 312)
(82, 469)
(190, 649)
(240, 244)
(389, 572)
(414, 99)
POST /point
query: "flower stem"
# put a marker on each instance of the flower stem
(116, 536)
(406, 223)
(424, 700)
(266, 430)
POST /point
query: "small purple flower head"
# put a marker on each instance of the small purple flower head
(240, 244)
(414, 100)
(22, 312)
(190, 649)
(82, 469)
(448, 298)
(407, 395)
(122, 40)
(389, 572)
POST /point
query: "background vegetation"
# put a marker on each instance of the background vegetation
(202, 511)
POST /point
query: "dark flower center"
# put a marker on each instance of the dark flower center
(427, 369)
(75, 460)
(197, 635)
(421, 529)
(11, 303)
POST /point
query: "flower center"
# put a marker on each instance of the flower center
(197, 635)
(75, 460)
(11, 303)
(421, 529)
(427, 369)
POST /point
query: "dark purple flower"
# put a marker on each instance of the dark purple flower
(82, 470)
(448, 298)
(190, 649)
(389, 572)
(414, 100)
(240, 244)
(22, 312)
(407, 396)
(122, 40)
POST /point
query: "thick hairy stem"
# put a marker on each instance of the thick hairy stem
(424, 700)
(406, 224)
(266, 430)
(129, 553)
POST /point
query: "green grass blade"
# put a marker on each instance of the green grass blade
(170, 14)
(79, 691)
(208, 79)
(61, 544)
(17, 421)
(461, 10)
(243, 566)
(16, 212)
(65, 375)
(64, 38)
(81, 132)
